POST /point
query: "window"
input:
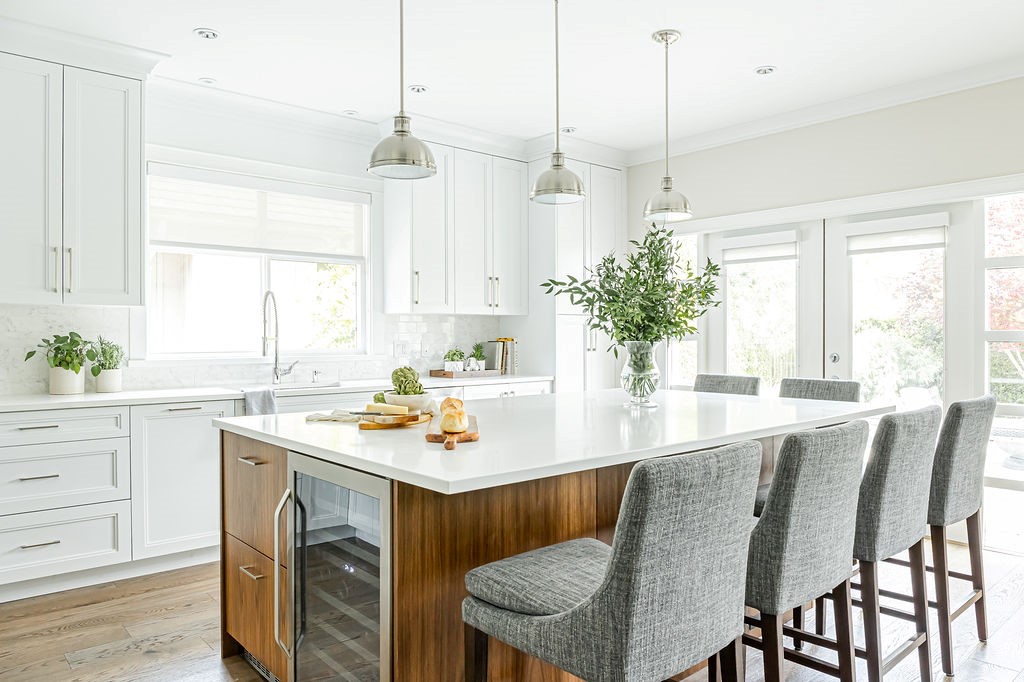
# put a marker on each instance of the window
(219, 241)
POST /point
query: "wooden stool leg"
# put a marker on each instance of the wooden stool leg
(476, 654)
(733, 663)
(841, 599)
(976, 543)
(919, 585)
(819, 615)
(941, 560)
(714, 674)
(771, 637)
(872, 619)
(798, 624)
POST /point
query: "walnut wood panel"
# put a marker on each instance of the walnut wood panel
(254, 476)
(438, 538)
(611, 484)
(248, 604)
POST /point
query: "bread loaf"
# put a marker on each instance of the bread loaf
(454, 421)
(450, 404)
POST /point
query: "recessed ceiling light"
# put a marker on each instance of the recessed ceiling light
(765, 70)
(207, 33)
(418, 88)
(350, 112)
(568, 130)
(206, 80)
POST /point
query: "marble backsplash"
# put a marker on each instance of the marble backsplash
(416, 340)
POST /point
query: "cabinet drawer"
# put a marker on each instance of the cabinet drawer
(254, 478)
(46, 543)
(59, 426)
(529, 388)
(323, 403)
(52, 475)
(249, 604)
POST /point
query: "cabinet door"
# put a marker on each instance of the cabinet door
(472, 205)
(572, 348)
(433, 244)
(30, 180)
(602, 365)
(175, 477)
(485, 391)
(571, 227)
(511, 238)
(102, 188)
(605, 196)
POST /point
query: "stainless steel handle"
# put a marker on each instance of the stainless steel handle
(41, 544)
(303, 572)
(56, 269)
(71, 269)
(250, 461)
(193, 408)
(834, 357)
(497, 292)
(245, 570)
(490, 292)
(37, 428)
(416, 295)
(512, 394)
(277, 571)
(38, 478)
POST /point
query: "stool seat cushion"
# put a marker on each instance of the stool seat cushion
(760, 498)
(544, 581)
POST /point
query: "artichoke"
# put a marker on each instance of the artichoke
(379, 398)
(406, 381)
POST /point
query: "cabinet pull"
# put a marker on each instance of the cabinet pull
(277, 571)
(41, 544)
(416, 295)
(71, 270)
(38, 478)
(185, 409)
(56, 269)
(250, 461)
(37, 428)
(245, 570)
(490, 291)
(497, 292)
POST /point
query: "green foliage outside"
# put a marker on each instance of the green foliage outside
(335, 293)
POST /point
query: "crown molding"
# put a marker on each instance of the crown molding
(576, 148)
(73, 49)
(454, 135)
(948, 83)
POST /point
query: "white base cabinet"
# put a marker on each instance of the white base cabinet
(582, 359)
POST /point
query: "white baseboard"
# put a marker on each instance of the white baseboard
(106, 574)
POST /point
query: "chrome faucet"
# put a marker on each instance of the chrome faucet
(269, 298)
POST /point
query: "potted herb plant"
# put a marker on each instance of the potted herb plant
(650, 296)
(107, 365)
(477, 359)
(66, 355)
(454, 360)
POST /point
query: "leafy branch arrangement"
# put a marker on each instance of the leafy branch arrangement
(68, 352)
(653, 296)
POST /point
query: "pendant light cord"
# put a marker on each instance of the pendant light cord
(558, 130)
(401, 57)
(666, 108)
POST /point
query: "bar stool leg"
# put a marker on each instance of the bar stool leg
(713, 672)
(975, 543)
(476, 654)
(732, 659)
(919, 585)
(798, 624)
(940, 558)
(819, 615)
(872, 619)
(771, 638)
(841, 599)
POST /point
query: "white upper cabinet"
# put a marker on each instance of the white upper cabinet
(474, 277)
(433, 242)
(572, 223)
(510, 241)
(606, 216)
(30, 180)
(70, 185)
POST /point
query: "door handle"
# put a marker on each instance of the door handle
(38, 478)
(71, 270)
(38, 428)
(303, 570)
(56, 269)
(277, 571)
(497, 292)
(490, 292)
(185, 409)
(416, 287)
(40, 544)
(834, 358)
(250, 461)
(245, 570)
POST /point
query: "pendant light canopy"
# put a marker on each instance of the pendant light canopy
(667, 205)
(401, 155)
(558, 184)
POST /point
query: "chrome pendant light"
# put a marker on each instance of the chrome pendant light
(558, 184)
(667, 205)
(401, 155)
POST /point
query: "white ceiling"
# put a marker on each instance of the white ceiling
(489, 63)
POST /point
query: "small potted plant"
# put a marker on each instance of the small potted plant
(66, 355)
(454, 360)
(107, 365)
(477, 359)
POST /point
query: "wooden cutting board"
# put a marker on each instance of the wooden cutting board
(396, 424)
(435, 435)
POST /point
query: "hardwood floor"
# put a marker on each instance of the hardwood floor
(164, 628)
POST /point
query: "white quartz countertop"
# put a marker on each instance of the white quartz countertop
(532, 437)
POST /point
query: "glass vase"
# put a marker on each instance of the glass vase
(640, 374)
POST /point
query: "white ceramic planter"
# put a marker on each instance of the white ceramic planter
(456, 366)
(474, 365)
(109, 381)
(65, 382)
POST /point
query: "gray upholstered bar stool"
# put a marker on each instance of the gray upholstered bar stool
(735, 384)
(802, 544)
(666, 595)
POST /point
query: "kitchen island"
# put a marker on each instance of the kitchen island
(415, 517)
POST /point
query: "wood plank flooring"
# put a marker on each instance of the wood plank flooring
(164, 628)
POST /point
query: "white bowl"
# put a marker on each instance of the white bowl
(423, 402)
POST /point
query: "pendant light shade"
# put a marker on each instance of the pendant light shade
(401, 155)
(558, 184)
(667, 205)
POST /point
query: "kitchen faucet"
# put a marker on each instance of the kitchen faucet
(269, 298)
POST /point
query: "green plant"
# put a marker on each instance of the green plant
(651, 296)
(455, 355)
(379, 398)
(406, 381)
(478, 352)
(66, 351)
(109, 356)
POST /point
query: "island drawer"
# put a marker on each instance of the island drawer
(59, 426)
(51, 475)
(249, 604)
(254, 477)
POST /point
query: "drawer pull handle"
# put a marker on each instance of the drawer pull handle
(37, 428)
(245, 570)
(41, 544)
(38, 478)
(185, 409)
(250, 461)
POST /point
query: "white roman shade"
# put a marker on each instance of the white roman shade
(776, 245)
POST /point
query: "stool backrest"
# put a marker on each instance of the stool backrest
(674, 587)
(820, 389)
(727, 383)
(893, 505)
(958, 478)
(802, 544)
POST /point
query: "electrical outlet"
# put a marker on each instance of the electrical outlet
(401, 349)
